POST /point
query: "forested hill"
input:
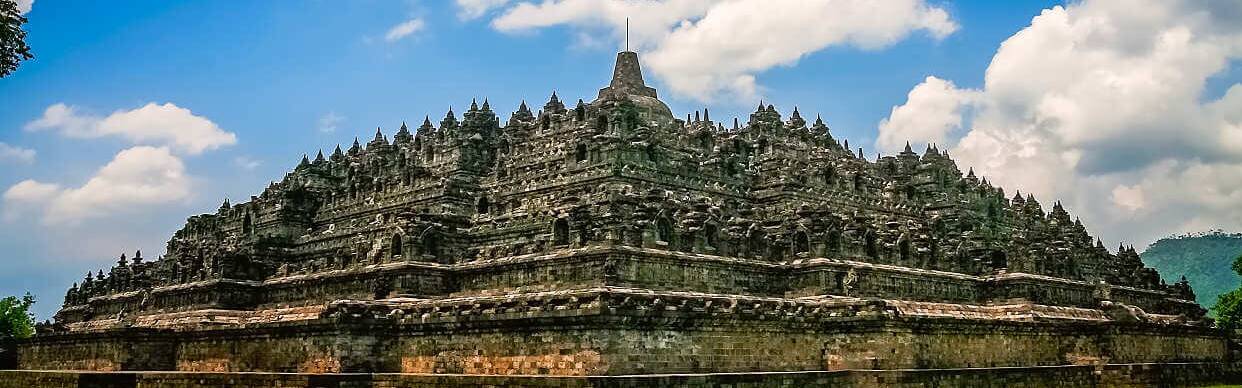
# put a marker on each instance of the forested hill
(1205, 259)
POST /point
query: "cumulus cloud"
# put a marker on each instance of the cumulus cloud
(650, 21)
(706, 49)
(15, 154)
(31, 191)
(152, 124)
(473, 9)
(136, 177)
(932, 111)
(1102, 103)
(1129, 197)
(404, 29)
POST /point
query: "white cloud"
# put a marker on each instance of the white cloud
(650, 21)
(24, 6)
(932, 111)
(329, 122)
(473, 9)
(137, 177)
(705, 49)
(1129, 197)
(15, 154)
(1101, 103)
(26, 195)
(152, 124)
(404, 29)
(247, 163)
(31, 191)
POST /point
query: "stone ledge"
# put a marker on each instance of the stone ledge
(614, 301)
(1107, 375)
(601, 253)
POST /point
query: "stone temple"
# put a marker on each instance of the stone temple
(611, 238)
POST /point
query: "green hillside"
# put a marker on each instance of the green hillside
(1204, 258)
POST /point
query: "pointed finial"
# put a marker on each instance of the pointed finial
(379, 137)
(474, 105)
(486, 105)
(319, 157)
(706, 116)
(908, 150)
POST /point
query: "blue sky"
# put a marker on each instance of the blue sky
(277, 75)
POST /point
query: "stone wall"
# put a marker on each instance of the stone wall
(1103, 376)
(622, 266)
(616, 335)
(112, 350)
(358, 283)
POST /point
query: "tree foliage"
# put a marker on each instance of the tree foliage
(16, 320)
(1228, 306)
(13, 49)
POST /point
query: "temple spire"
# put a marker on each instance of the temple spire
(627, 77)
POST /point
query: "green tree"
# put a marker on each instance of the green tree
(13, 47)
(16, 322)
(1228, 306)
